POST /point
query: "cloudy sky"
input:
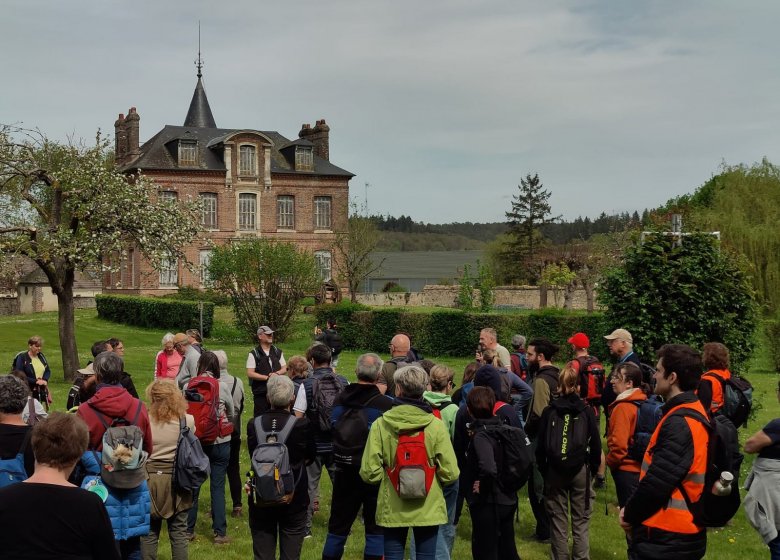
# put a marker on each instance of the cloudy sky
(441, 106)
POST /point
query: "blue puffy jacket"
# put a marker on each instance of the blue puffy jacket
(129, 510)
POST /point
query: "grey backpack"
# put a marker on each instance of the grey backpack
(123, 461)
(191, 465)
(273, 481)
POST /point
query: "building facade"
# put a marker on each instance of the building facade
(251, 183)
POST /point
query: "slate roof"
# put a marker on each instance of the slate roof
(424, 264)
(199, 113)
(83, 280)
(160, 152)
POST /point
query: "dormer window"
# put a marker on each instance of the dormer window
(188, 153)
(246, 161)
(304, 158)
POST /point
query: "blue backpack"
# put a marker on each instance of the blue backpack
(647, 418)
(12, 470)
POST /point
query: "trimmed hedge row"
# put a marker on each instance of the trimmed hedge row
(170, 314)
(450, 332)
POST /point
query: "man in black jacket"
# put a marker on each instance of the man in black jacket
(262, 363)
(353, 412)
(656, 516)
(539, 354)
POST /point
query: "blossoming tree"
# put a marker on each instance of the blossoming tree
(68, 208)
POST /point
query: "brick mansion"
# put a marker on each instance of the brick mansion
(251, 183)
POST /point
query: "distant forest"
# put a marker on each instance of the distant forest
(404, 234)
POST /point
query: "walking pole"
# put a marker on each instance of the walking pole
(606, 486)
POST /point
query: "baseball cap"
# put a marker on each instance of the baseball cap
(264, 329)
(620, 334)
(580, 340)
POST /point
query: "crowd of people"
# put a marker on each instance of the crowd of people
(403, 447)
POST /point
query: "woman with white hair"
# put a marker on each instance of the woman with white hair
(394, 441)
(168, 359)
(287, 522)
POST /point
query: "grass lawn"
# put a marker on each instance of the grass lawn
(737, 541)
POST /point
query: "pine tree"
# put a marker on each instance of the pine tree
(530, 211)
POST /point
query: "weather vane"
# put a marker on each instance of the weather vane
(199, 62)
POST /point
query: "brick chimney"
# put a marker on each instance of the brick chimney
(320, 138)
(305, 132)
(120, 140)
(132, 126)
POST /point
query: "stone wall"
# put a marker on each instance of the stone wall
(521, 297)
(9, 305)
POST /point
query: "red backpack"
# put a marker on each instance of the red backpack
(592, 378)
(412, 474)
(202, 396)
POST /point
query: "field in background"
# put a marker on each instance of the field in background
(737, 541)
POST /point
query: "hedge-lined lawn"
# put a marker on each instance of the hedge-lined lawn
(735, 542)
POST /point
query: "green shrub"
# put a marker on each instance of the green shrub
(452, 332)
(773, 337)
(188, 293)
(161, 313)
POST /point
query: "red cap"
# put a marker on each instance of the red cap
(580, 340)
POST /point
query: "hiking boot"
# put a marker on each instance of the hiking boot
(308, 534)
(221, 539)
(190, 536)
(237, 511)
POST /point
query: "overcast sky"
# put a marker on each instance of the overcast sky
(441, 106)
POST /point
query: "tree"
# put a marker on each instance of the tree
(558, 276)
(353, 250)
(530, 211)
(690, 294)
(70, 209)
(265, 280)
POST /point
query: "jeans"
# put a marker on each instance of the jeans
(234, 469)
(314, 471)
(446, 536)
(350, 493)
(625, 484)
(130, 549)
(177, 533)
(425, 537)
(774, 548)
(219, 456)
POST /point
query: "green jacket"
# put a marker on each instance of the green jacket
(379, 454)
(448, 413)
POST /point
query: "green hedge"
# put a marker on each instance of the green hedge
(773, 337)
(175, 315)
(450, 332)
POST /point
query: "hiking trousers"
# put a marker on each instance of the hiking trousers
(177, 533)
(562, 493)
(493, 532)
(314, 471)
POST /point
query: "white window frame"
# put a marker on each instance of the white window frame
(285, 211)
(322, 212)
(251, 159)
(304, 158)
(188, 153)
(169, 196)
(324, 261)
(209, 217)
(243, 212)
(169, 273)
(205, 259)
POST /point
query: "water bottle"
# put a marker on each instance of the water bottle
(722, 486)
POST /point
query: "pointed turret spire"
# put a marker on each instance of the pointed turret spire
(199, 114)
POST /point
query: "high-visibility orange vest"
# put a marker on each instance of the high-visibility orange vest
(676, 517)
(718, 398)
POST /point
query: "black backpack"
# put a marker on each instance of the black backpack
(333, 339)
(567, 438)
(712, 510)
(324, 391)
(737, 398)
(350, 434)
(514, 456)
(648, 415)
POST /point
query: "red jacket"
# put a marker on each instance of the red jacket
(113, 401)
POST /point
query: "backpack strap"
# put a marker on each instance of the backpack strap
(137, 413)
(233, 389)
(281, 435)
(100, 415)
(25, 442)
